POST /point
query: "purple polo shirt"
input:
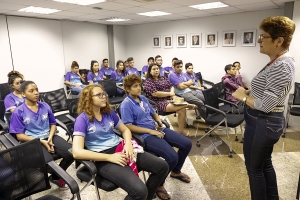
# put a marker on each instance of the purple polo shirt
(12, 101)
(132, 71)
(194, 77)
(73, 78)
(107, 71)
(91, 77)
(138, 114)
(169, 69)
(98, 135)
(144, 69)
(119, 77)
(34, 124)
(177, 79)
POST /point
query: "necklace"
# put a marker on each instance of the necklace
(273, 59)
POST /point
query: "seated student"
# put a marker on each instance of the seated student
(15, 98)
(237, 66)
(119, 74)
(189, 68)
(106, 70)
(159, 89)
(34, 119)
(131, 69)
(73, 78)
(182, 86)
(170, 69)
(83, 73)
(139, 116)
(159, 62)
(145, 68)
(93, 129)
(94, 74)
(232, 80)
(126, 64)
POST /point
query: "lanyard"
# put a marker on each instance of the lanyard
(273, 60)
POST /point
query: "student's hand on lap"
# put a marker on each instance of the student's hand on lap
(128, 151)
(51, 145)
(157, 133)
(104, 77)
(172, 94)
(45, 143)
(239, 94)
(201, 88)
(118, 158)
(76, 85)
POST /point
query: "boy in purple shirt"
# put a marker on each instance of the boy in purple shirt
(159, 62)
(34, 119)
(94, 74)
(183, 85)
(232, 80)
(73, 78)
(94, 129)
(106, 70)
(170, 69)
(145, 68)
(15, 98)
(131, 69)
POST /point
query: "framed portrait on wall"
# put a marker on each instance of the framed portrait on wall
(156, 41)
(168, 41)
(211, 39)
(229, 38)
(181, 40)
(195, 40)
(249, 38)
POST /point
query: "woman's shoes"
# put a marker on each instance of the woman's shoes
(186, 134)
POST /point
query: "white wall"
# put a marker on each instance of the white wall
(84, 42)
(120, 42)
(5, 58)
(38, 51)
(210, 61)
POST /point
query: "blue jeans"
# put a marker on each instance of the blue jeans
(164, 148)
(262, 131)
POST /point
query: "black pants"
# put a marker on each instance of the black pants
(125, 178)
(61, 147)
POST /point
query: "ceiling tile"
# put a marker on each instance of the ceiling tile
(57, 5)
(69, 14)
(131, 2)
(162, 5)
(91, 17)
(17, 13)
(4, 11)
(87, 10)
(198, 13)
(191, 2)
(179, 10)
(223, 10)
(11, 6)
(257, 6)
(135, 10)
(243, 2)
(111, 6)
(24, 2)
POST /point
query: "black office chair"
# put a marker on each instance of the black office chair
(110, 88)
(213, 116)
(3, 126)
(293, 105)
(4, 90)
(204, 82)
(24, 171)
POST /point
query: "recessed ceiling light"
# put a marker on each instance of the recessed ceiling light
(81, 2)
(39, 10)
(114, 19)
(154, 13)
(212, 5)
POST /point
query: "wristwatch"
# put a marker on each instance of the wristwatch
(244, 100)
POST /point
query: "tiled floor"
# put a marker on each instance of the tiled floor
(214, 175)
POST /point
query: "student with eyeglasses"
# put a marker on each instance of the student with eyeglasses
(93, 129)
(15, 98)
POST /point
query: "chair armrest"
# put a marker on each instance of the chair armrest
(139, 139)
(88, 164)
(291, 98)
(65, 176)
(207, 82)
(4, 126)
(5, 142)
(120, 87)
(62, 125)
(11, 139)
(70, 118)
(117, 132)
(228, 102)
(216, 110)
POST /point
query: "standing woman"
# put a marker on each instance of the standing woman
(73, 78)
(119, 74)
(34, 119)
(15, 98)
(264, 105)
(94, 74)
(93, 129)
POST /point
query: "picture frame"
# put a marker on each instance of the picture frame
(249, 38)
(168, 41)
(229, 38)
(156, 41)
(196, 40)
(211, 39)
(181, 40)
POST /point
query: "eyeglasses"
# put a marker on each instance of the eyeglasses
(101, 95)
(261, 37)
(19, 83)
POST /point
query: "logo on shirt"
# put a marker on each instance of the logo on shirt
(17, 103)
(112, 124)
(45, 117)
(92, 129)
(26, 120)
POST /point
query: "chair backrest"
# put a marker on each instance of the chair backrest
(56, 99)
(2, 110)
(109, 86)
(72, 105)
(200, 77)
(4, 90)
(108, 76)
(296, 94)
(23, 171)
(220, 89)
(211, 99)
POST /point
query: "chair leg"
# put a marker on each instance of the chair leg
(228, 137)
(236, 137)
(242, 133)
(208, 132)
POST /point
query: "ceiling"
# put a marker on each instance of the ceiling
(128, 8)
